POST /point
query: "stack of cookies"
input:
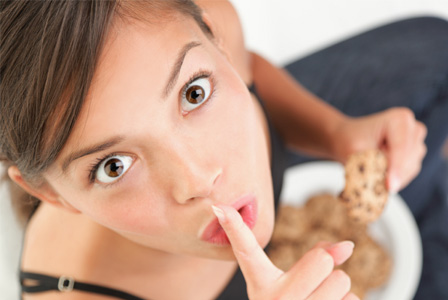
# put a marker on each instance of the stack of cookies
(329, 218)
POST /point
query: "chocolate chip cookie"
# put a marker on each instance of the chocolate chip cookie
(365, 193)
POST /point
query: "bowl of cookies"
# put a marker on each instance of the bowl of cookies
(327, 201)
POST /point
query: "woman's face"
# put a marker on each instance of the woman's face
(168, 129)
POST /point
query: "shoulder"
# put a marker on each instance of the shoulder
(46, 238)
(227, 29)
(52, 247)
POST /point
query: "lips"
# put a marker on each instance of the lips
(247, 208)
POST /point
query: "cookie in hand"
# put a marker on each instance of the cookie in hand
(365, 193)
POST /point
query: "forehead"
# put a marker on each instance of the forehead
(154, 44)
(136, 55)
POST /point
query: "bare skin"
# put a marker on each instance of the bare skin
(123, 260)
(108, 249)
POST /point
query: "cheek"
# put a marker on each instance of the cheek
(134, 208)
(235, 121)
(245, 135)
(244, 147)
(249, 138)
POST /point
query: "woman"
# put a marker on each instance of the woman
(132, 124)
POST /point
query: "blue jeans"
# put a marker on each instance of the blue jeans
(400, 64)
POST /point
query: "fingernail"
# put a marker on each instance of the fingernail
(394, 184)
(349, 244)
(219, 213)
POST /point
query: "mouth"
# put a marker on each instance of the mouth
(246, 207)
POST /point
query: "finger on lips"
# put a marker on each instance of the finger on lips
(255, 265)
(259, 272)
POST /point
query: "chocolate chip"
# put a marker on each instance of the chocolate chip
(379, 188)
(345, 199)
(361, 168)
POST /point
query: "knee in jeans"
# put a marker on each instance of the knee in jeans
(431, 22)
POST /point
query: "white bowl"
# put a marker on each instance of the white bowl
(395, 230)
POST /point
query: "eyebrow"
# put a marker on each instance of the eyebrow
(90, 150)
(115, 140)
(177, 66)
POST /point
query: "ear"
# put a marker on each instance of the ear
(44, 192)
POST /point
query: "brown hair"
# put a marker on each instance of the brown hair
(49, 50)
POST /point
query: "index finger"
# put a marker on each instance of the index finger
(399, 130)
(255, 265)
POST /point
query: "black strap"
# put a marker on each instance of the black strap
(46, 283)
(251, 88)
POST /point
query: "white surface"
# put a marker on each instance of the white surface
(283, 30)
(395, 229)
(10, 244)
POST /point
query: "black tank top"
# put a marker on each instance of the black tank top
(235, 290)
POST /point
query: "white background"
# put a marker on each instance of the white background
(281, 30)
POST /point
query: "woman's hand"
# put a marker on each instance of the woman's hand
(396, 132)
(312, 277)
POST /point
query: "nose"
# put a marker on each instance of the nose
(193, 175)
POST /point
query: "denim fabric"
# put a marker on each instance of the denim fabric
(400, 64)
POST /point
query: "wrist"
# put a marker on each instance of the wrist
(340, 145)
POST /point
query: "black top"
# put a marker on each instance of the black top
(235, 290)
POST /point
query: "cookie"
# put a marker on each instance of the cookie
(324, 218)
(314, 236)
(335, 220)
(283, 256)
(291, 224)
(370, 265)
(365, 193)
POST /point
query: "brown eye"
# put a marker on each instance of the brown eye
(196, 93)
(113, 168)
